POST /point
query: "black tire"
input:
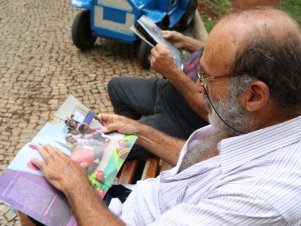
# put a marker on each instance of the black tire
(144, 54)
(188, 16)
(81, 31)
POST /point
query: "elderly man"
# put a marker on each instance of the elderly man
(250, 72)
(173, 105)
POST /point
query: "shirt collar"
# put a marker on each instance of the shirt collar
(236, 151)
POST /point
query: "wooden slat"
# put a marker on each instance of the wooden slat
(128, 172)
(151, 168)
(25, 221)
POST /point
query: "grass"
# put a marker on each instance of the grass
(212, 10)
(292, 7)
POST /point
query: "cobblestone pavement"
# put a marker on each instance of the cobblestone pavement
(40, 67)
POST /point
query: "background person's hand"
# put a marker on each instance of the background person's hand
(162, 60)
(59, 169)
(117, 123)
(176, 38)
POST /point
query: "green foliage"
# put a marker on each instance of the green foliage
(212, 10)
(209, 24)
(292, 7)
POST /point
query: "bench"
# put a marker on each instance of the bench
(134, 170)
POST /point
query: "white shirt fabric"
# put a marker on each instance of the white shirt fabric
(255, 180)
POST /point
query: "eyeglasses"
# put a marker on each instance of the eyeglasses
(202, 75)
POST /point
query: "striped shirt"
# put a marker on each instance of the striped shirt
(255, 180)
(192, 64)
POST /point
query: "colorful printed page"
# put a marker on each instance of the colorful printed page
(75, 131)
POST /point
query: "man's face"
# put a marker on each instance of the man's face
(214, 63)
(220, 87)
(230, 110)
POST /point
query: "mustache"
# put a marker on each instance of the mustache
(205, 98)
(216, 107)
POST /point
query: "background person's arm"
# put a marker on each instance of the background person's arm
(183, 42)
(163, 62)
(164, 146)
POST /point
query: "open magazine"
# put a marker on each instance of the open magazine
(149, 32)
(74, 130)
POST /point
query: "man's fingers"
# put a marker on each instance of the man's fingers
(84, 165)
(106, 118)
(154, 51)
(112, 122)
(50, 149)
(43, 151)
(111, 127)
(38, 163)
(47, 151)
(162, 50)
(158, 48)
(161, 47)
(167, 34)
(158, 52)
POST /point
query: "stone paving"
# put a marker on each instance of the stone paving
(40, 67)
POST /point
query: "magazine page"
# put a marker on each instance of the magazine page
(74, 130)
(142, 36)
(155, 33)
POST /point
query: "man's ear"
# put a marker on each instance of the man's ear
(255, 96)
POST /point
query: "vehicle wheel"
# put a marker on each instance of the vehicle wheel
(188, 16)
(144, 54)
(81, 31)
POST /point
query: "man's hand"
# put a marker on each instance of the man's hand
(183, 42)
(176, 38)
(59, 169)
(71, 179)
(162, 61)
(117, 123)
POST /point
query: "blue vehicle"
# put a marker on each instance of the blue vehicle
(112, 19)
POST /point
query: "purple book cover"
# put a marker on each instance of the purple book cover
(73, 130)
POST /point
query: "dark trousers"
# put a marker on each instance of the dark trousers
(137, 97)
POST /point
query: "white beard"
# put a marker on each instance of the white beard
(232, 113)
(197, 153)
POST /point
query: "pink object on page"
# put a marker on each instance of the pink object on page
(83, 155)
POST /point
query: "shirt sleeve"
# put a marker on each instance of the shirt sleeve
(226, 209)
